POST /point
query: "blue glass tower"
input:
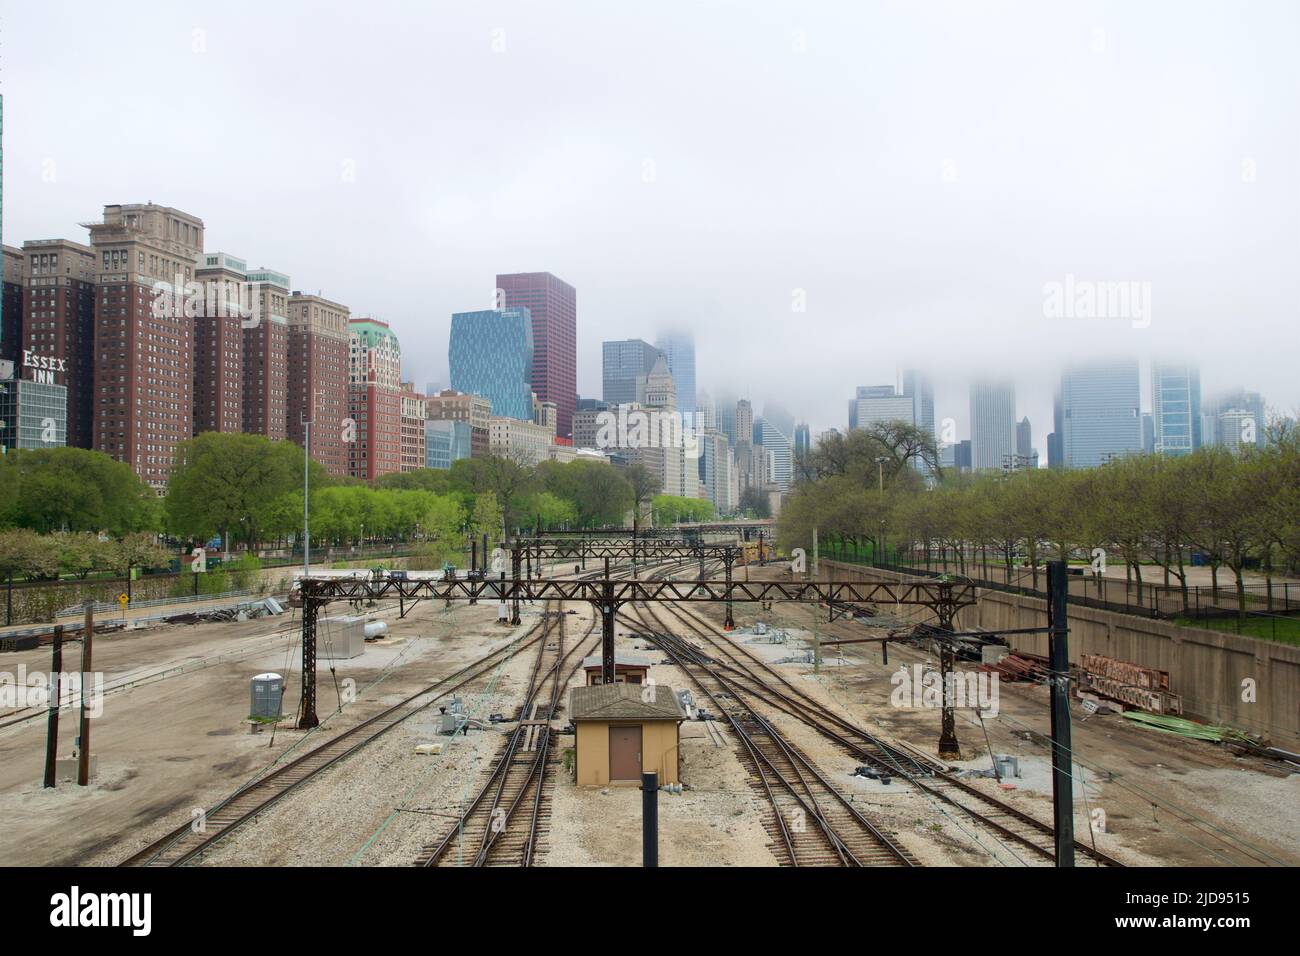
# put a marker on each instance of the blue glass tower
(491, 354)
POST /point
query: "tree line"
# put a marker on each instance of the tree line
(1235, 510)
(70, 511)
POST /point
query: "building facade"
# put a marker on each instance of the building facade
(266, 357)
(490, 354)
(678, 348)
(318, 370)
(623, 370)
(552, 306)
(219, 344)
(1176, 407)
(1101, 415)
(993, 425)
(57, 319)
(144, 345)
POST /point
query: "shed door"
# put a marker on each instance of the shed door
(625, 753)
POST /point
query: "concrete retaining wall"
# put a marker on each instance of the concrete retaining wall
(1205, 667)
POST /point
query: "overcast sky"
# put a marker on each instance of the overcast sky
(914, 173)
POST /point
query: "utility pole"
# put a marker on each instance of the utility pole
(306, 529)
(947, 611)
(52, 730)
(1058, 584)
(83, 763)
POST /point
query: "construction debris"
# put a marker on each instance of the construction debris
(1143, 687)
(1019, 666)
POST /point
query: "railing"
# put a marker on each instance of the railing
(1272, 610)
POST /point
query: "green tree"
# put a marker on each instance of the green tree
(222, 483)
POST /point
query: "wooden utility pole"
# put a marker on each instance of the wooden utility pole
(52, 729)
(83, 763)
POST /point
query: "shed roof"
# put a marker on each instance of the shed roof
(621, 659)
(625, 702)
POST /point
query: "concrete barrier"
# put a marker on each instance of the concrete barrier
(1209, 669)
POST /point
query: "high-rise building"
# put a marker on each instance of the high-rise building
(744, 421)
(11, 308)
(777, 445)
(144, 345)
(491, 355)
(781, 419)
(678, 347)
(726, 405)
(587, 424)
(706, 412)
(552, 305)
(920, 390)
(962, 455)
(802, 441)
(1253, 421)
(414, 434)
(318, 372)
(1148, 433)
(624, 367)
(993, 425)
(1100, 413)
(1176, 407)
(219, 343)
(716, 479)
(878, 404)
(266, 356)
(374, 399)
(57, 319)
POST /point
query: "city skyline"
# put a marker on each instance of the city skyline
(758, 297)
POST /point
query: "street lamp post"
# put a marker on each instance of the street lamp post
(880, 472)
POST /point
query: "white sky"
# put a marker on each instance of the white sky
(392, 156)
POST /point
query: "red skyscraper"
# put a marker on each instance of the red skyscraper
(553, 304)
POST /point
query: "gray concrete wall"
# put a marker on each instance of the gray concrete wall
(1205, 667)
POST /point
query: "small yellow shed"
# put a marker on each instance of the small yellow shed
(624, 730)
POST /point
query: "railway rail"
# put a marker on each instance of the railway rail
(810, 821)
(756, 678)
(187, 842)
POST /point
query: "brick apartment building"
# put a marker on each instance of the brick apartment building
(266, 357)
(143, 356)
(374, 399)
(58, 320)
(318, 378)
(219, 344)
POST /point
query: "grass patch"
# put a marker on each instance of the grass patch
(1285, 630)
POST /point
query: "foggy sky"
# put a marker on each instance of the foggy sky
(919, 170)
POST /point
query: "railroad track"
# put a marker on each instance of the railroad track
(189, 840)
(810, 821)
(760, 680)
(508, 817)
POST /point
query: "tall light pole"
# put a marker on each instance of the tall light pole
(306, 479)
(880, 471)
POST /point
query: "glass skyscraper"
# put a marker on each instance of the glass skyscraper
(624, 367)
(1176, 407)
(1101, 414)
(491, 355)
(679, 349)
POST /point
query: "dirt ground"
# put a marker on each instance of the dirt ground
(173, 738)
(1165, 800)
